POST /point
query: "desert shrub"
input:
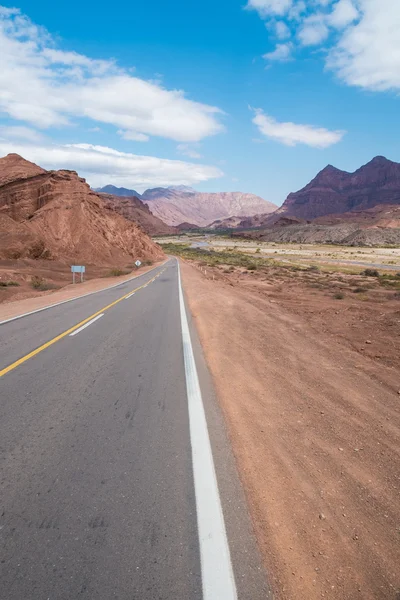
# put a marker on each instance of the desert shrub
(338, 296)
(38, 283)
(147, 263)
(360, 290)
(258, 251)
(117, 272)
(252, 267)
(13, 283)
(36, 251)
(313, 269)
(3, 283)
(14, 254)
(370, 273)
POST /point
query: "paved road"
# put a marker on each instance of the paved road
(97, 492)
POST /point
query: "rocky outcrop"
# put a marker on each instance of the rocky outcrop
(135, 210)
(187, 227)
(14, 168)
(348, 234)
(334, 191)
(54, 214)
(221, 224)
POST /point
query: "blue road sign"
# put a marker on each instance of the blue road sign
(77, 269)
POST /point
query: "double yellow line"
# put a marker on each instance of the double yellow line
(20, 361)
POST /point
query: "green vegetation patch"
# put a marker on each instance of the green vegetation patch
(212, 258)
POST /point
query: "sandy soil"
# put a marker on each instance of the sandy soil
(310, 389)
(24, 299)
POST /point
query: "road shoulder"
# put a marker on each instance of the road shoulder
(11, 310)
(315, 437)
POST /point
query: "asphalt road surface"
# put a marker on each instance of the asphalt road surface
(106, 486)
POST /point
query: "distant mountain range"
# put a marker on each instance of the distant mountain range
(360, 208)
(334, 191)
(177, 204)
(117, 191)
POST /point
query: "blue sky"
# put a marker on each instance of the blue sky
(222, 95)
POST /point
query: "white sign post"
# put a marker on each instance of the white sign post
(138, 263)
(77, 269)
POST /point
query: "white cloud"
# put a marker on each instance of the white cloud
(47, 87)
(281, 53)
(282, 30)
(101, 165)
(20, 132)
(360, 37)
(368, 53)
(344, 12)
(313, 30)
(270, 7)
(292, 134)
(187, 150)
(133, 135)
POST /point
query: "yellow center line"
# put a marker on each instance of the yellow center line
(20, 361)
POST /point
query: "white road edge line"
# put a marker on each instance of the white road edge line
(32, 312)
(217, 576)
(86, 325)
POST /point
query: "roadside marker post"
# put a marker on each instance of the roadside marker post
(77, 269)
(138, 263)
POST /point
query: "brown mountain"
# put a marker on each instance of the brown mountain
(54, 214)
(382, 215)
(135, 210)
(334, 191)
(228, 223)
(176, 205)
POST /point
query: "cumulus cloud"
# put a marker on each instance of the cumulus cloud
(368, 53)
(313, 30)
(361, 37)
(47, 87)
(291, 134)
(101, 165)
(281, 53)
(344, 13)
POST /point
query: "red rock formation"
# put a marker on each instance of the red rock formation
(54, 214)
(135, 210)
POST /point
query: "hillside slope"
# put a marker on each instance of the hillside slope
(174, 206)
(334, 191)
(54, 214)
(135, 210)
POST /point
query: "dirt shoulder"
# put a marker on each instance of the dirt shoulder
(315, 428)
(28, 300)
